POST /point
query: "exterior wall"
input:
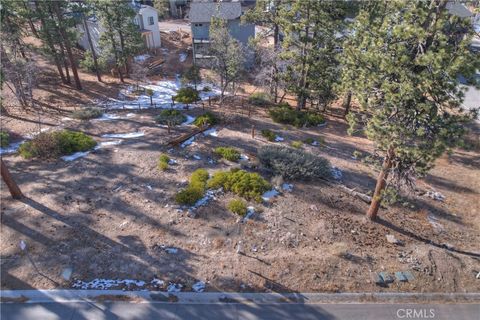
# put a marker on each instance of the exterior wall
(144, 16)
(241, 32)
(95, 32)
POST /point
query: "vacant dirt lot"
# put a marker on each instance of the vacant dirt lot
(111, 215)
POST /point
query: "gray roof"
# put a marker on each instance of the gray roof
(459, 9)
(204, 11)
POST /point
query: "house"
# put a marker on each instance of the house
(146, 19)
(201, 14)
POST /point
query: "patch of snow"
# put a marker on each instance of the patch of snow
(315, 143)
(250, 213)
(187, 142)
(157, 282)
(141, 58)
(107, 117)
(211, 132)
(171, 250)
(197, 157)
(182, 56)
(267, 196)
(435, 195)
(279, 139)
(322, 124)
(75, 156)
(11, 148)
(67, 273)
(288, 187)
(244, 157)
(172, 161)
(110, 143)
(434, 222)
(125, 135)
(105, 284)
(23, 245)
(66, 119)
(199, 286)
(211, 161)
(149, 187)
(174, 287)
(189, 120)
(163, 91)
(336, 173)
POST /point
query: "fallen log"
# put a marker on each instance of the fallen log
(362, 196)
(178, 140)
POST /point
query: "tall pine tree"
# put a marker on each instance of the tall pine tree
(402, 62)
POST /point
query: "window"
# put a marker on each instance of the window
(150, 20)
(198, 24)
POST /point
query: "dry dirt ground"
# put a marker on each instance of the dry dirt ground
(111, 214)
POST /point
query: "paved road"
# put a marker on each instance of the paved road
(227, 311)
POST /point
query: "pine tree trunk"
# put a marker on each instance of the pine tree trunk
(52, 47)
(92, 49)
(65, 64)
(11, 184)
(380, 186)
(30, 22)
(347, 102)
(68, 47)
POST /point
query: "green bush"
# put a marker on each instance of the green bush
(309, 140)
(237, 206)
(296, 144)
(205, 119)
(269, 135)
(189, 196)
(260, 99)
(4, 139)
(191, 75)
(87, 113)
(88, 64)
(51, 145)
(170, 117)
(245, 184)
(293, 164)
(286, 115)
(187, 95)
(195, 190)
(228, 153)
(163, 162)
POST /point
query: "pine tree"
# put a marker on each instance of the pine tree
(121, 38)
(309, 48)
(402, 63)
(227, 55)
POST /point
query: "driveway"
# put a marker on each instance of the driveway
(174, 25)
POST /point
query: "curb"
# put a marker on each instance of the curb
(53, 296)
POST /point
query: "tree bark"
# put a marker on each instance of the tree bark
(52, 47)
(11, 184)
(30, 22)
(380, 186)
(68, 47)
(92, 49)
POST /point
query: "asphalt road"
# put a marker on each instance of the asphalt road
(226, 311)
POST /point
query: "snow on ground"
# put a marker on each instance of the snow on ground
(211, 132)
(189, 120)
(111, 116)
(11, 148)
(75, 156)
(267, 196)
(336, 173)
(108, 143)
(124, 135)
(163, 91)
(174, 287)
(187, 142)
(141, 58)
(287, 187)
(279, 139)
(105, 284)
(199, 286)
(183, 56)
